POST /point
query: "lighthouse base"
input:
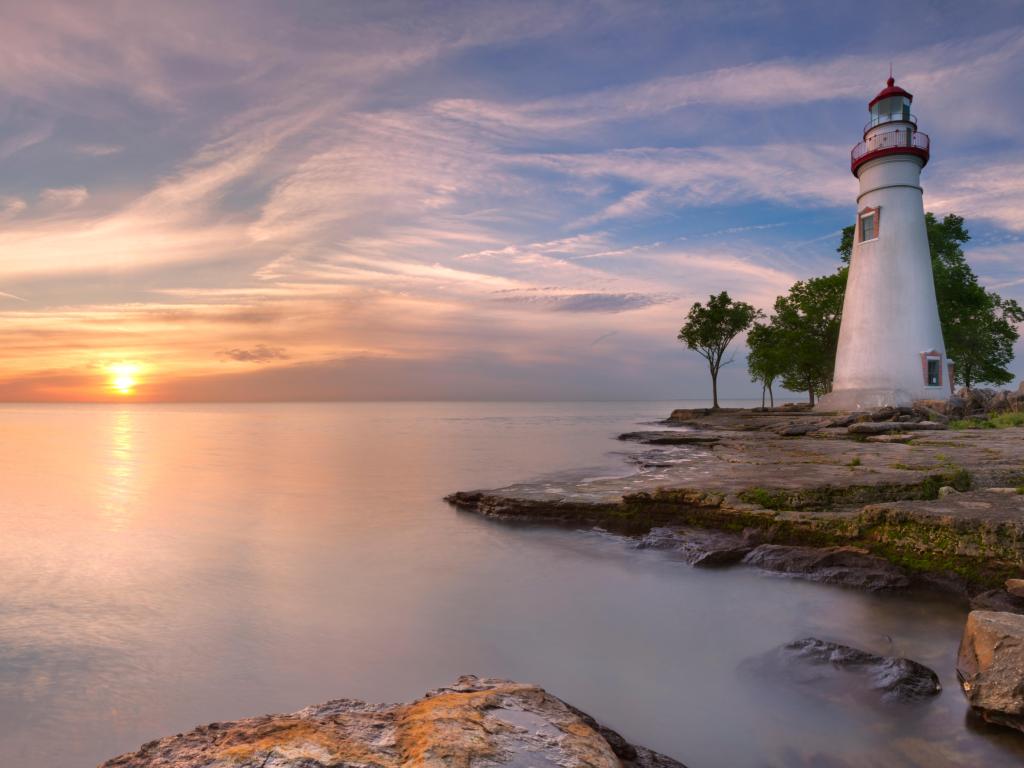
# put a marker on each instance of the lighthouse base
(864, 399)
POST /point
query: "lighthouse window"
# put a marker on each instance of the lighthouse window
(934, 372)
(868, 226)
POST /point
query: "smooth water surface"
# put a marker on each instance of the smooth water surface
(164, 566)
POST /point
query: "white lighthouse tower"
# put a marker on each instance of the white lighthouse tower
(890, 342)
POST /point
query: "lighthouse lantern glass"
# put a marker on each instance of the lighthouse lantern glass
(890, 109)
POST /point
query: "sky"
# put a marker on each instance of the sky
(439, 200)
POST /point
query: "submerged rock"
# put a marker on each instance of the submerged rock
(700, 547)
(847, 566)
(997, 600)
(668, 437)
(475, 721)
(896, 678)
(990, 666)
(1015, 587)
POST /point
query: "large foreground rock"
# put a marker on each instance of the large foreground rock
(476, 721)
(991, 666)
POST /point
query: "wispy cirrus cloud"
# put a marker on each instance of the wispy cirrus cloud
(258, 354)
(64, 197)
(347, 186)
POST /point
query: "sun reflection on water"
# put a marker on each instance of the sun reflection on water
(121, 475)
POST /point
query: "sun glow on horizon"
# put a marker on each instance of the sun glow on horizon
(124, 377)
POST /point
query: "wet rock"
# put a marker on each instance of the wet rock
(942, 581)
(473, 722)
(990, 666)
(668, 437)
(895, 678)
(846, 566)
(997, 600)
(660, 538)
(699, 547)
(881, 427)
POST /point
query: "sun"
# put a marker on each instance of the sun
(123, 377)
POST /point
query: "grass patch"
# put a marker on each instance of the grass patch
(996, 421)
(854, 462)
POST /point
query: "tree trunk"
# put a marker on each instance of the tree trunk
(714, 389)
(771, 394)
(763, 388)
(810, 391)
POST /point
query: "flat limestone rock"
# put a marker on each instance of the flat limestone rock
(990, 666)
(878, 496)
(846, 566)
(883, 427)
(892, 437)
(473, 722)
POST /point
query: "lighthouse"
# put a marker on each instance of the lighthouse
(890, 350)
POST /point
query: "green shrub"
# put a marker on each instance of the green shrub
(996, 421)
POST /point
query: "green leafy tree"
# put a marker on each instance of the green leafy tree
(710, 329)
(978, 326)
(984, 340)
(766, 360)
(806, 324)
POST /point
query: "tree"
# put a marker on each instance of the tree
(985, 341)
(806, 322)
(978, 326)
(710, 330)
(766, 360)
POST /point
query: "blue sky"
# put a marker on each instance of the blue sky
(321, 200)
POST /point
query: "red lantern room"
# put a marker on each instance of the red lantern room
(892, 130)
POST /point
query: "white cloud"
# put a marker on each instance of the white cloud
(98, 150)
(64, 197)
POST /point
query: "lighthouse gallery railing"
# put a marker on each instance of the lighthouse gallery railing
(890, 142)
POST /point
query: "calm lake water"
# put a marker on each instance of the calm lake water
(164, 566)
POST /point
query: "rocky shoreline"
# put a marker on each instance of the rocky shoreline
(943, 506)
(888, 500)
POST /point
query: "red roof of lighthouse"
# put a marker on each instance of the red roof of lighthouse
(891, 89)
